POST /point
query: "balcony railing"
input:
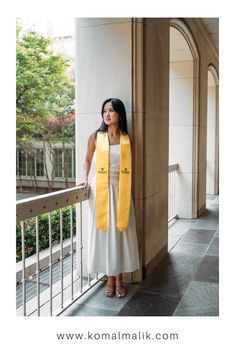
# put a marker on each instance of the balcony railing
(57, 275)
(172, 213)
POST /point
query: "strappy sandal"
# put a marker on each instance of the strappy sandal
(109, 291)
(120, 292)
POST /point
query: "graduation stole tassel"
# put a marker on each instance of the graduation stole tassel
(102, 182)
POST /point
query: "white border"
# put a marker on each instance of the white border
(197, 334)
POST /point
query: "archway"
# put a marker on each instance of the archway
(183, 118)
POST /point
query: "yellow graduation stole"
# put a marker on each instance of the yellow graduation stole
(102, 182)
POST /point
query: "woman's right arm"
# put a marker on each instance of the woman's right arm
(88, 159)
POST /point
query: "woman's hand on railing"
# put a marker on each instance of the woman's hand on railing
(83, 183)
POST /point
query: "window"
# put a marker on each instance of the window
(68, 162)
(29, 163)
(39, 162)
(64, 163)
(21, 162)
(58, 162)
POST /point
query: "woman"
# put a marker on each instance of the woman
(112, 245)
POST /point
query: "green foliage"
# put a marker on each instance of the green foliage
(60, 128)
(30, 231)
(43, 88)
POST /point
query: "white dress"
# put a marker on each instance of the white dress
(111, 252)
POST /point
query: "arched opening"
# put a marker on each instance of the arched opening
(212, 166)
(183, 120)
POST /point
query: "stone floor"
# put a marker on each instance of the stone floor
(185, 284)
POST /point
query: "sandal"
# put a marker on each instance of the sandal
(109, 291)
(120, 291)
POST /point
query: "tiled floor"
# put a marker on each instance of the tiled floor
(185, 283)
(94, 303)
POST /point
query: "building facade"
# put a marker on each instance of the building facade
(45, 166)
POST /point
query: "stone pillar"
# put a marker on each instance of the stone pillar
(202, 138)
(103, 69)
(211, 136)
(217, 142)
(156, 140)
(212, 177)
(129, 59)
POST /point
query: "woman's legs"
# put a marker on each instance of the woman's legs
(118, 280)
(114, 285)
(120, 290)
(110, 287)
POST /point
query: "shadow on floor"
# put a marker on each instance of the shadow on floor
(187, 281)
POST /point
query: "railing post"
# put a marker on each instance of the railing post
(173, 193)
(37, 266)
(80, 244)
(71, 249)
(23, 268)
(50, 262)
(172, 169)
(61, 260)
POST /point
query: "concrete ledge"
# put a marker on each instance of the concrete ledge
(31, 261)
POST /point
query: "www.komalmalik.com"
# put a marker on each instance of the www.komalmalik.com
(139, 335)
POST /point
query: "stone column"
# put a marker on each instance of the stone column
(129, 59)
(211, 136)
(103, 69)
(156, 140)
(212, 178)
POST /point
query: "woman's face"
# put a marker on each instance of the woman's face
(109, 115)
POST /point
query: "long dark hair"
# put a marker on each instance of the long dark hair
(118, 107)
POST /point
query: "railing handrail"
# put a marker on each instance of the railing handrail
(37, 205)
(44, 204)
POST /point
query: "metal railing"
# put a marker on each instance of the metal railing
(172, 213)
(61, 292)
